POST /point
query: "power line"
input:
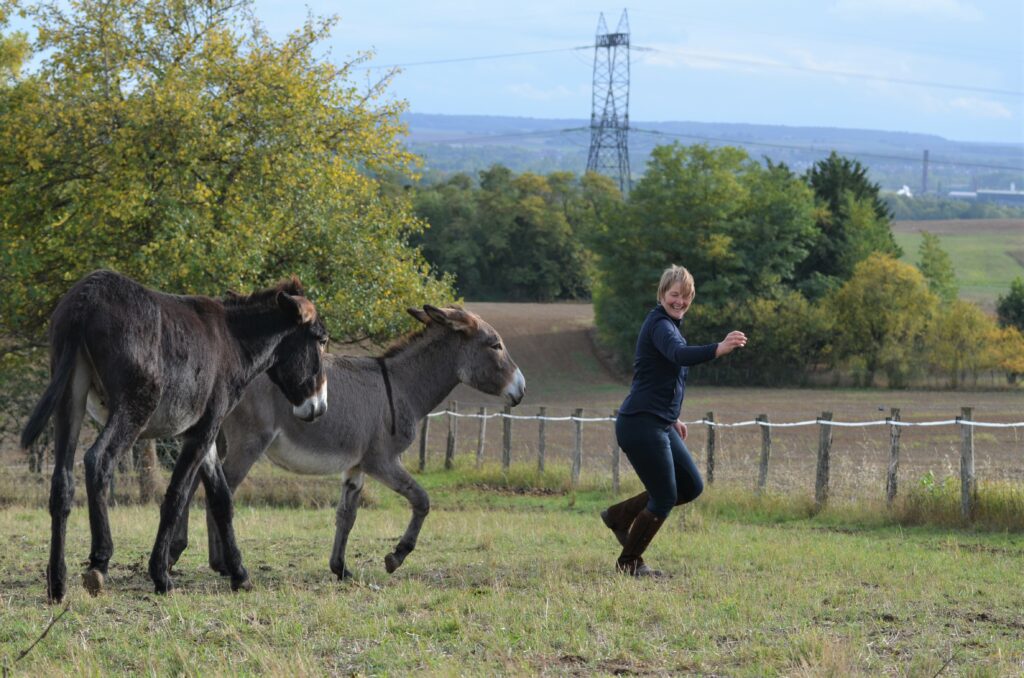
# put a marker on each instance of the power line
(721, 59)
(475, 58)
(829, 71)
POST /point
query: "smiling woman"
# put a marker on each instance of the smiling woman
(648, 428)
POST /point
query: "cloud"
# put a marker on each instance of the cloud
(953, 10)
(982, 108)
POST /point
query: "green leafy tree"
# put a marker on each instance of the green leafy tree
(937, 267)
(740, 228)
(513, 237)
(180, 144)
(1010, 307)
(881, 315)
(852, 222)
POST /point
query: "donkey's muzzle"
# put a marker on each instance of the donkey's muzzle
(313, 406)
(516, 389)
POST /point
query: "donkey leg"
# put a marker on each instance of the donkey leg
(179, 542)
(236, 461)
(221, 508)
(67, 424)
(351, 489)
(118, 435)
(175, 498)
(398, 479)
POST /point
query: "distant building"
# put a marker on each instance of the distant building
(1011, 197)
(905, 192)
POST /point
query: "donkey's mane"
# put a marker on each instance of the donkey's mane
(404, 341)
(265, 297)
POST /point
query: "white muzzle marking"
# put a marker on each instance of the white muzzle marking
(313, 406)
(516, 388)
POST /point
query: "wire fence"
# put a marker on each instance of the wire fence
(835, 458)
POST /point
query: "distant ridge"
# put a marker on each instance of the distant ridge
(468, 143)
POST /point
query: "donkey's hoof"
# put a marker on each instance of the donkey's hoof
(391, 563)
(164, 586)
(93, 581)
(241, 585)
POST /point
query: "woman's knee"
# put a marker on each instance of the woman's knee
(661, 504)
(691, 490)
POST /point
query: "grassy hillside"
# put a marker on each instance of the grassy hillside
(987, 253)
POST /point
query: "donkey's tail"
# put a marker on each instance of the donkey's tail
(64, 368)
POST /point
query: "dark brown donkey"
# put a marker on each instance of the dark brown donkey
(149, 364)
(384, 398)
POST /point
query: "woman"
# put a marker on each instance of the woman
(648, 429)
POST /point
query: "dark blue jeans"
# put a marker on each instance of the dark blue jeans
(659, 456)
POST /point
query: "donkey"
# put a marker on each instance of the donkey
(148, 364)
(386, 397)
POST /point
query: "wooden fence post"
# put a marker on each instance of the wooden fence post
(541, 442)
(766, 453)
(147, 472)
(891, 480)
(577, 453)
(615, 456)
(424, 431)
(453, 432)
(968, 482)
(506, 440)
(482, 436)
(824, 449)
(710, 418)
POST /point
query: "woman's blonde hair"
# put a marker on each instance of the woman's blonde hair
(674, 275)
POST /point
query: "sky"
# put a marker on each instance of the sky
(954, 68)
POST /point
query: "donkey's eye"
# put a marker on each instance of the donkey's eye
(496, 346)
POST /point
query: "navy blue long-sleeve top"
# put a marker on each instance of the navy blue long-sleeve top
(660, 367)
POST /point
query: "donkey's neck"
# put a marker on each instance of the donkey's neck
(257, 336)
(426, 369)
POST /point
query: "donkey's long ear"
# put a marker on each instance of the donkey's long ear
(301, 308)
(419, 315)
(455, 318)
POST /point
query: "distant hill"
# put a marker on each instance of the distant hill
(469, 143)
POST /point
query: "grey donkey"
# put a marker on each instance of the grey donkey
(384, 399)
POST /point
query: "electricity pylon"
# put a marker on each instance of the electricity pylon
(609, 116)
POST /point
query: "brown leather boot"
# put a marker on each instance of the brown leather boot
(619, 517)
(640, 535)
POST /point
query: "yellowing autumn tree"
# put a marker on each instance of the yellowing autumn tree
(881, 315)
(177, 142)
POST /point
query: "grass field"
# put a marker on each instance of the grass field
(509, 583)
(986, 253)
(514, 575)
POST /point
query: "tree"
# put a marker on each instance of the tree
(937, 267)
(1005, 351)
(852, 222)
(178, 143)
(1010, 308)
(515, 237)
(881, 315)
(740, 228)
(957, 340)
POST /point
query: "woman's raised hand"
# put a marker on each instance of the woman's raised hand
(732, 341)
